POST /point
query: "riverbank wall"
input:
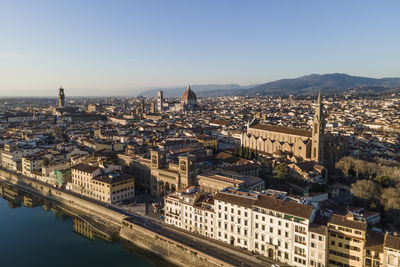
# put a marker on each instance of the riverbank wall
(63, 198)
(167, 248)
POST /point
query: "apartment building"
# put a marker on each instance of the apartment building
(113, 188)
(192, 211)
(31, 164)
(391, 250)
(271, 226)
(82, 175)
(347, 240)
(318, 245)
(106, 185)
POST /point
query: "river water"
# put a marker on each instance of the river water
(42, 235)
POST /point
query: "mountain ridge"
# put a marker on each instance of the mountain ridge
(304, 85)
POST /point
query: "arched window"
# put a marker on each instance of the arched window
(183, 166)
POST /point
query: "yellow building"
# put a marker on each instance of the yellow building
(346, 240)
(31, 164)
(208, 141)
(113, 188)
(85, 229)
(374, 249)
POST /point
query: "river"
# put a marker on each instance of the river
(33, 233)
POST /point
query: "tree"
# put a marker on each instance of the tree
(236, 151)
(389, 196)
(265, 169)
(241, 154)
(344, 164)
(252, 154)
(364, 190)
(281, 171)
(383, 180)
(46, 162)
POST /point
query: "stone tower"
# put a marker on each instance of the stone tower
(187, 170)
(160, 100)
(317, 150)
(61, 97)
(142, 106)
(157, 159)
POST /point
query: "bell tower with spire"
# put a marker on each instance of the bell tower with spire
(61, 97)
(317, 150)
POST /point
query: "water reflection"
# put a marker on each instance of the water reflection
(84, 227)
(87, 230)
(44, 235)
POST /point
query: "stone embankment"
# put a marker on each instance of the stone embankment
(168, 249)
(62, 198)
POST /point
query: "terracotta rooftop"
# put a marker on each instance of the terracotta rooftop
(392, 241)
(318, 229)
(284, 130)
(375, 241)
(235, 199)
(291, 208)
(85, 168)
(346, 222)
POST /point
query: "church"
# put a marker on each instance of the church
(189, 100)
(276, 140)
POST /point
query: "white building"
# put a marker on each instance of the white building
(391, 251)
(192, 211)
(318, 245)
(271, 226)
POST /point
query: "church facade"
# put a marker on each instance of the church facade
(276, 140)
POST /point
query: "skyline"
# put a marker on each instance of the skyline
(99, 48)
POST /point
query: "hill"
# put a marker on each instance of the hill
(328, 83)
(201, 90)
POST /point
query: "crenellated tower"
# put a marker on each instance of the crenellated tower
(317, 150)
(61, 97)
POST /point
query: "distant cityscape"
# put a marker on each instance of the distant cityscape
(306, 180)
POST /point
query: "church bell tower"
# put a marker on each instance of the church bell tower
(317, 151)
(61, 97)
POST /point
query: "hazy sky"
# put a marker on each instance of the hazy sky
(113, 47)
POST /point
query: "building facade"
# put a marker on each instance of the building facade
(266, 225)
(273, 140)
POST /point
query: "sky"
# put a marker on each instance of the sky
(117, 47)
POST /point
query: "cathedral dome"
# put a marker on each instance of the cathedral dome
(188, 96)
